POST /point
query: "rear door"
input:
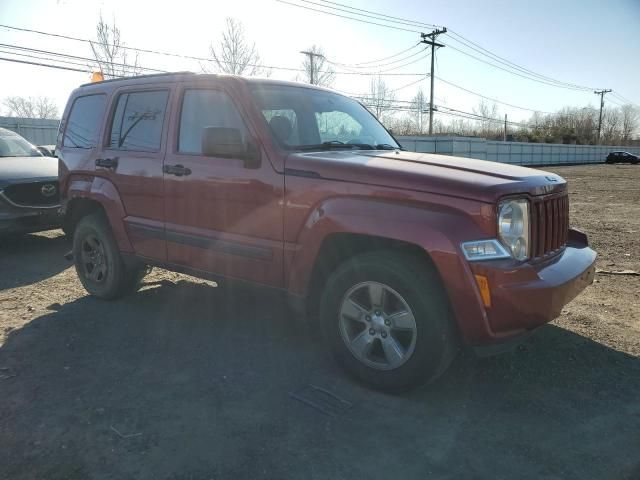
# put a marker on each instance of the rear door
(132, 157)
(78, 142)
(221, 217)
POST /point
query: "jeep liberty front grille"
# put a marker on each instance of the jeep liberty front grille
(549, 224)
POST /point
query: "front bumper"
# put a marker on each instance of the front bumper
(526, 296)
(19, 220)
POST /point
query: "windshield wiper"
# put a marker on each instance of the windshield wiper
(386, 146)
(325, 145)
(337, 144)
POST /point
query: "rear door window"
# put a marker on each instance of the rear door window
(138, 121)
(205, 108)
(83, 125)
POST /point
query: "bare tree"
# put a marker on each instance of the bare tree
(489, 121)
(419, 110)
(317, 69)
(400, 125)
(31, 107)
(611, 126)
(456, 126)
(110, 52)
(629, 115)
(380, 98)
(235, 54)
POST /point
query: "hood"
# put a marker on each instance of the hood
(27, 169)
(441, 174)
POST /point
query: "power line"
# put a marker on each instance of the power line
(617, 103)
(483, 51)
(625, 100)
(355, 13)
(91, 60)
(42, 64)
(346, 65)
(366, 95)
(524, 72)
(387, 58)
(73, 57)
(391, 17)
(621, 97)
(397, 67)
(88, 67)
(40, 57)
(192, 57)
(500, 101)
(514, 73)
(453, 112)
(409, 84)
(344, 16)
(476, 116)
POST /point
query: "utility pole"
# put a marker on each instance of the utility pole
(311, 56)
(504, 136)
(432, 41)
(602, 94)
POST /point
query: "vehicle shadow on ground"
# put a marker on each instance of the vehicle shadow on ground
(189, 381)
(44, 254)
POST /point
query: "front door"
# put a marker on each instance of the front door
(220, 216)
(132, 157)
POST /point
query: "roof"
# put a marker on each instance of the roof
(178, 76)
(169, 75)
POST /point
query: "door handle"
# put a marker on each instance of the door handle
(107, 162)
(177, 170)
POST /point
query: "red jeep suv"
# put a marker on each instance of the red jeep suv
(403, 256)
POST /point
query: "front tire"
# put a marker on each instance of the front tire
(385, 316)
(98, 262)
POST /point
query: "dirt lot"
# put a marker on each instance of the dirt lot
(187, 381)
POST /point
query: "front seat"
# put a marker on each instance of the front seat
(281, 127)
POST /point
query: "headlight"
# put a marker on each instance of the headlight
(513, 227)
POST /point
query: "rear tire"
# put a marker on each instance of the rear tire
(99, 265)
(403, 339)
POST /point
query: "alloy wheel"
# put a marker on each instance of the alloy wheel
(94, 261)
(377, 325)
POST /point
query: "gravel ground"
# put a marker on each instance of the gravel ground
(188, 380)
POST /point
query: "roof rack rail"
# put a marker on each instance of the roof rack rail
(134, 77)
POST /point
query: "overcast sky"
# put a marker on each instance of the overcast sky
(588, 42)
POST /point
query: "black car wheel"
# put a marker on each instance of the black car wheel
(98, 262)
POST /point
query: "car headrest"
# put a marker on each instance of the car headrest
(281, 127)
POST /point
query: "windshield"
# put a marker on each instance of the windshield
(16, 146)
(305, 119)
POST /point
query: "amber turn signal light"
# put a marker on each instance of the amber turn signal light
(485, 293)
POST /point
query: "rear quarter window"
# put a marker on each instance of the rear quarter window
(83, 125)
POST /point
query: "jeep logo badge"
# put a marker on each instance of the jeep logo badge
(48, 190)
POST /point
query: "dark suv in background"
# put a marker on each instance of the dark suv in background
(29, 195)
(622, 157)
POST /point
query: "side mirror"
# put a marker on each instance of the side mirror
(227, 142)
